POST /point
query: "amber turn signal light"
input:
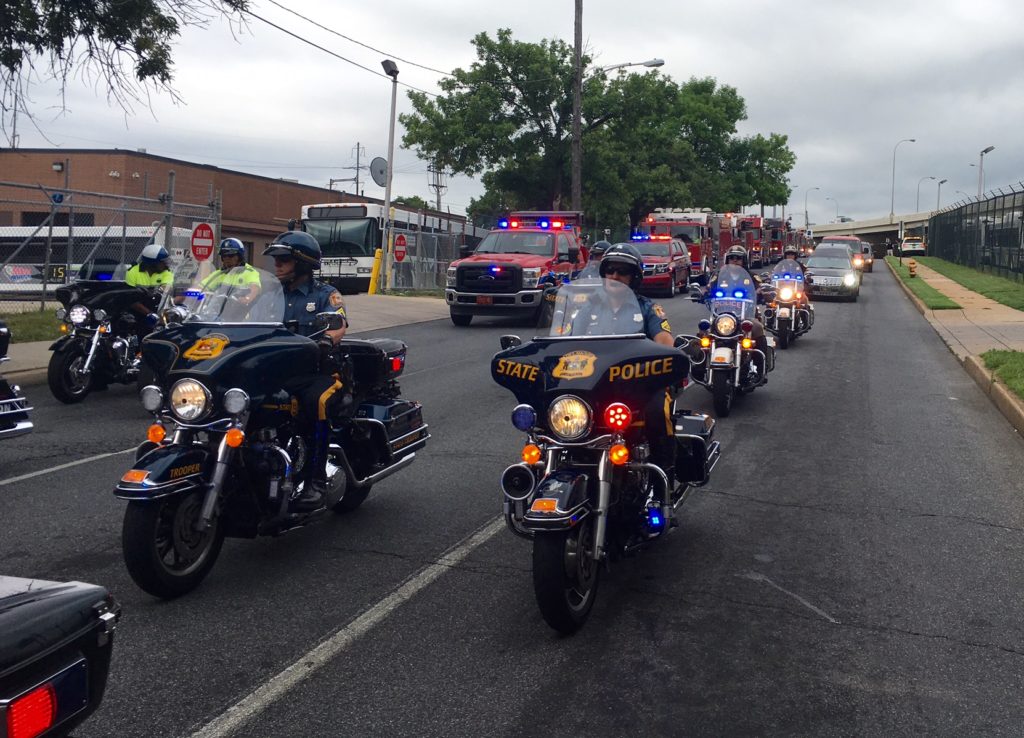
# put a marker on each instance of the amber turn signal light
(135, 476)
(156, 433)
(618, 454)
(235, 437)
(531, 453)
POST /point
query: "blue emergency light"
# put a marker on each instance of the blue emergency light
(719, 293)
(543, 223)
(503, 223)
(740, 294)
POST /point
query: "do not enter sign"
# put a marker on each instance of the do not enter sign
(399, 247)
(202, 241)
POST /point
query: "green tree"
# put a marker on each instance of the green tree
(124, 45)
(768, 161)
(414, 202)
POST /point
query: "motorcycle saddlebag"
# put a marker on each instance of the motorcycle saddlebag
(5, 339)
(375, 360)
(694, 436)
(55, 638)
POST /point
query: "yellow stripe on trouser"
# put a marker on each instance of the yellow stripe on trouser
(668, 414)
(326, 397)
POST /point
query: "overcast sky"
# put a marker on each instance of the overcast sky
(844, 79)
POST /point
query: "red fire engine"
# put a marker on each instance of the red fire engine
(692, 227)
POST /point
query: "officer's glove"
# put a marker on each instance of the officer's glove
(151, 320)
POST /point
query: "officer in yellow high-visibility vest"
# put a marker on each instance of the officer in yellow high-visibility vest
(233, 272)
(152, 269)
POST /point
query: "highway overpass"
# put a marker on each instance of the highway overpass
(874, 230)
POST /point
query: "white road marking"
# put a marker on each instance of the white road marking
(277, 686)
(68, 465)
(756, 577)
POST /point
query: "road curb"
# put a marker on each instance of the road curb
(918, 303)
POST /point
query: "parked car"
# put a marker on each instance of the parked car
(830, 273)
(55, 644)
(666, 265)
(912, 246)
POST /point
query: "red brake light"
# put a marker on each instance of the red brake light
(618, 416)
(396, 363)
(32, 714)
(746, 326)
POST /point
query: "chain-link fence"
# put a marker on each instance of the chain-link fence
(53, 232)
(987, 234)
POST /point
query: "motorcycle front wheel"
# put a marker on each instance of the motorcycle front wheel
(721, 393)
(565, 577)
(166, 555)
(62, 374)
(785, 334)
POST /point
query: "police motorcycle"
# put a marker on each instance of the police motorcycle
(726, 338)
(14, 408)
(102, 333)
(225, 456)
(585, 492)
(788, 314)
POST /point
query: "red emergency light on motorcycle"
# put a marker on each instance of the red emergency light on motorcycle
(618, 416)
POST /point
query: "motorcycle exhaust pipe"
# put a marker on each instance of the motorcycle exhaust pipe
(518, 482)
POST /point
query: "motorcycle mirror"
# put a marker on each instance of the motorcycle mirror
(510, 341)
(807, 278)
(766, 276)
(330, 321)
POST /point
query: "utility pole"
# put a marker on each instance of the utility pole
(437, 182)
(358, 150)
(577, 103)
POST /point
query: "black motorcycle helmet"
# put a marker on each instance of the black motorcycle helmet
(628, 254)
(299, 245)
(598, 249)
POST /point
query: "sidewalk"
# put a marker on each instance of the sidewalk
(980, 325)
(28, 361)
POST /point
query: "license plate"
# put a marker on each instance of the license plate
(484, 300)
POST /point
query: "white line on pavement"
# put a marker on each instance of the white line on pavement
(23, 477)
(263, 696)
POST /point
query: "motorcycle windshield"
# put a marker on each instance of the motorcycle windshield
(102, 269)
(787, 269)
(734, 293)
(239, 295)
(596, 306)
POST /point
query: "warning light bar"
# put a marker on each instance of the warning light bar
(649, 237)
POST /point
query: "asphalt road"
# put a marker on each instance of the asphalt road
(852, 569)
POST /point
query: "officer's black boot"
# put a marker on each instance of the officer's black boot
(314, 491)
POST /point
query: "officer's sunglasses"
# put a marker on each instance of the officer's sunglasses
(623, 270)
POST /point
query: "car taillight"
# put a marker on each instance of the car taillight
(32, 714)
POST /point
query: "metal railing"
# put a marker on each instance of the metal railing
(985, 234)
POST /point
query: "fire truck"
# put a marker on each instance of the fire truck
(503, 276)
(776, 235)
(752, 230)
(692, 227)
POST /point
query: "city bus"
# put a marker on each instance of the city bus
(350, 233)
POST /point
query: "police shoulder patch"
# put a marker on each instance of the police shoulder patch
(659, 310)
(336, 299)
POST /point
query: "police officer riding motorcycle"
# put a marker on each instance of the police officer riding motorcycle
(607, 461)
(234, 267)
(265, 417)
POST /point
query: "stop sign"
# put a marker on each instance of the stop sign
(399, 247)
(202, 241)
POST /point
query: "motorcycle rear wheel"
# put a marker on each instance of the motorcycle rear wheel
(565, 577)
(164, 553)
(61, 374)
(721, 393)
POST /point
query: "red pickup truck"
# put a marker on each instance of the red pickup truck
(503, 276)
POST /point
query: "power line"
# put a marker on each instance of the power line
(355, 41)
(334, 54)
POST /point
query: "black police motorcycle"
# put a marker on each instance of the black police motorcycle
(585, 492)
(224, 456)
(102, 338)
(726, 338)
(788, 314)
(14, 408)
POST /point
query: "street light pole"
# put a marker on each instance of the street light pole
(836, 203)
(806, 219)
(917, 207)
(892, 198)
(981, 170)
(938, 194)
(391, 70)
(577, 103)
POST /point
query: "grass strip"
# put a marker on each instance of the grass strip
(1009, 367)
(32, 326)
(1000, 289)
(931, 297)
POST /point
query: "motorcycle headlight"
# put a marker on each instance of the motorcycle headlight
(78, 315)
(190, 400)
(449, 277)
(569, 417)
(725, 325)
(786, 294)
(152, 398)
(849, 280)
(236, 401)
(531, 276)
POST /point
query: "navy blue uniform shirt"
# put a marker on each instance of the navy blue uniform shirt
(651, 319)
(302, 303)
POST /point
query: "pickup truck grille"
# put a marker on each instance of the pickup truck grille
(480, 278)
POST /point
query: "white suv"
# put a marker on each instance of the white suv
(912, 246)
